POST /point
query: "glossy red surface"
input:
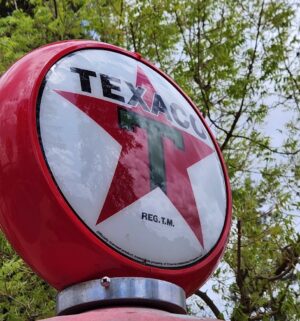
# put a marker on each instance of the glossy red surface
(34, 215)
(127, 314)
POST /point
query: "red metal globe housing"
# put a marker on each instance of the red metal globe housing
(108, 168)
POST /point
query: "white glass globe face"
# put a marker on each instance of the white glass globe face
(132, 158)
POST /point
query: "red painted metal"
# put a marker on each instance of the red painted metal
(127, 314)
(34, 215)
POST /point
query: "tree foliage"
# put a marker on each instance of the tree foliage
(240, 63)
(23, 295)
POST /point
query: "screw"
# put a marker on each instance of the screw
(105, 282)
(138, 55)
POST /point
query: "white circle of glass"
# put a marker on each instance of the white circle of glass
(132, 158)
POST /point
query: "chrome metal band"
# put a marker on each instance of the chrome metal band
(121, 292)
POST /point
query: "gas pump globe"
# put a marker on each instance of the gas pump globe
(113, 188)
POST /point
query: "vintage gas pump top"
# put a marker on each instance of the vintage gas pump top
(108, 168)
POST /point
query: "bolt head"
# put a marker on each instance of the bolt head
(105, 281)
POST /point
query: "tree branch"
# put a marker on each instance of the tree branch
(249, 73)
(296, 85)
(265, 146)
(55, 9)
(133, 37)
(16, 5)
(239, 246)
(242, 273)
(276, 277)
(181, 29)
(218, 314)
(290, 258)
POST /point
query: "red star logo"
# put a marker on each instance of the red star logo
(146, 139)
(143, 81)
